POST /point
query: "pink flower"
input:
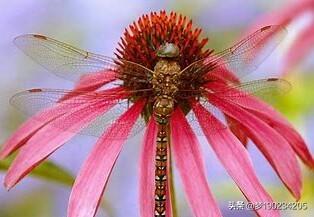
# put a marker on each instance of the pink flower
(170, 100)
(304, 41)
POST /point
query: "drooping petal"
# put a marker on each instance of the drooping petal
(291, 135)
(235, 159)
(223, 74)
(237, 130)
(31, 126)
(189, 162)
(303, 44)
(90, 183)
(25, 132)
(147, 171)
(41, 119)
(274, 120)
(51, 137)
(92, 82)
(280, 124)
(284, 15)
(274, 147)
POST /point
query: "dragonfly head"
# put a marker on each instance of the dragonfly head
(168, 50)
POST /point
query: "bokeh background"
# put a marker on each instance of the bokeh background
(97, 26)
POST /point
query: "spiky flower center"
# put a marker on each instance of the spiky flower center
(143, 38)
(162, 40)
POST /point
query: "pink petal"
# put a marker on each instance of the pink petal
(302, 45)
(94, 81)
(23, 134)
(284, 15)
(237, 130)
(50, 138)
(147, 171)
(91, 82)
(222, 73)
(42, 118)
(291, 135)
(235, 159)
(30, 127)
(90, 183)
(274, 147)
(273, 118)
(189, 161)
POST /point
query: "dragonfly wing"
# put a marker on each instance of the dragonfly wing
(263, 88)
(245, 56)
(191, 117)
(102, 122)
(70, 62)
(242, 58)
(33, 101)
(49, 105)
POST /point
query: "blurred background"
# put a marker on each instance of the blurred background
(97, 26)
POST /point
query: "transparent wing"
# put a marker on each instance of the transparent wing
(243, 57)
(32, 101)
(71, 63)
(102, 122)
(55, 106)
(263, 88)
(191, 117)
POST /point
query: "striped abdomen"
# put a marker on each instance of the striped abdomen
(161, 172)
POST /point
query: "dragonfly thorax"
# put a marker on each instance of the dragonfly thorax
(165, 77)
(165, 85)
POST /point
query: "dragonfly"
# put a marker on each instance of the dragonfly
(166, 86)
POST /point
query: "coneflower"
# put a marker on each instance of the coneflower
(166, 82)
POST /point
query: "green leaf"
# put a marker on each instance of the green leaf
(46, 170)
(35, 203)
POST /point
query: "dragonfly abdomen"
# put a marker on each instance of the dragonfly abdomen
(161, 172)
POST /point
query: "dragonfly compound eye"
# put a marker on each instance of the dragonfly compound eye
(168, 50)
